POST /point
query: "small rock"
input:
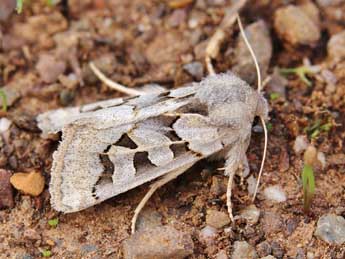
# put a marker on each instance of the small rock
(243, 250)
(148, 219)
(336, 46)
(6, 8)
(275, 193)
(88, 248)
(4, 124)
(271, 222)
(28, 183)
(251, 184)
(251, 214)
(277, 250)
(263, 249)
(195, 69)
(158, 243)
(222, 255)
(32, 235)
(321, 158)
(268, 257)
(295, 26)
(259, 37)
(6, 194)
(27, 256)
(217, 219)
(218, 186)
(208, 235)
(331, 229)
(49, 68)
(301, 144)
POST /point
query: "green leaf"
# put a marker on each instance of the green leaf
(46, 253)
(269, 126)
(300, 71)
(274, 96)
(4, 100)
(19, 6)
(308, 182)
(53, 222)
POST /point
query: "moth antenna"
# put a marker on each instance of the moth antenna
(259, 90)
(263, 157)
(112, 84)
(258, 73)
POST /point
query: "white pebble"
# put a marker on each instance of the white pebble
(275, 193)
(322, 159)
(208, 234)
(4, 124)
(301, 144)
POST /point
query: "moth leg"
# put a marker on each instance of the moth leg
(244, 169)
(165, 179)
(232, 163)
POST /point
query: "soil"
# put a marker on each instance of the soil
(139, 42)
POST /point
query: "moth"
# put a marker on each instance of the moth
(113, 146)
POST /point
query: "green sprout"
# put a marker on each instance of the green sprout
(4, 100)
(274, 96)
(19, 7)
(316, 128)
(46, 253)
(269, 126)
(53, 222)
(301, 72)
(308, 182)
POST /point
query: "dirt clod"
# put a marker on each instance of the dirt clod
(217, 219)
(158, 243)
(242, 250)
(29, 183)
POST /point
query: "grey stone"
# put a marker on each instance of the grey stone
(251, 214)
(148, 219)
(259, 37)
(275, 193)
(295, 27)
(158, 243)
(217, 219)
(243, 250)
(331, 229)
(195, 69)
(336, 46)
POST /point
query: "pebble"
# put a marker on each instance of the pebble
(208, 235)
(295, 27)
(243, 250)
(331, 229)
(263, 249)
(49, 68)
(6, 193)
(148, 219)
(301, 144)
(275, 193)
(158, 243)
(29, 183)
(259, 37)
(336, 46)
(271, 222)
(6, 8)
(277, 84)
(268, 257)
(217, 219)
(218, 186)
(4, 124)
(177, 17)
(195, 69)
(251, 184)
(277, 250)
(251, 214)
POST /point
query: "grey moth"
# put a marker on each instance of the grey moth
(113, 146)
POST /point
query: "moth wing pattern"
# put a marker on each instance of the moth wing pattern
(111, 150)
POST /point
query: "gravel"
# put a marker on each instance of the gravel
(243, 250)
